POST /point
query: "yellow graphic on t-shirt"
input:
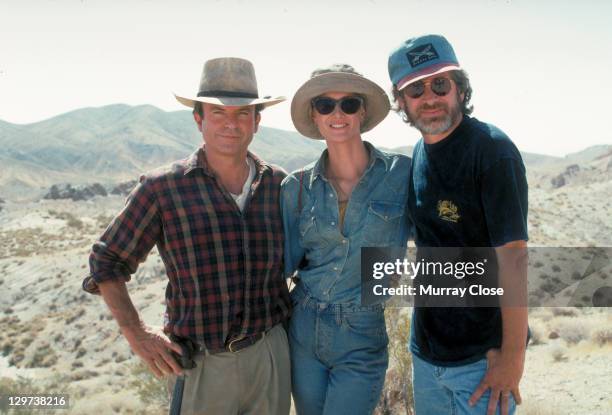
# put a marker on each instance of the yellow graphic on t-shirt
(448, 211)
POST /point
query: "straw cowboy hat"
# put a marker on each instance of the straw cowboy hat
(228, 82)
(337, 78)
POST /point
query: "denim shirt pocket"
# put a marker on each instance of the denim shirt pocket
(383, 222)
(310, 233)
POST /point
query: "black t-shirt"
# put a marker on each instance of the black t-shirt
(468, 190)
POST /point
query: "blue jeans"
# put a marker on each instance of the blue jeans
(441, 390)
(338, 356)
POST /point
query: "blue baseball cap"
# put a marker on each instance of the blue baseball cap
(420, 57)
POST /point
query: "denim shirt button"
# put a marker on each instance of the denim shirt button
(333, 223)
(344, 241)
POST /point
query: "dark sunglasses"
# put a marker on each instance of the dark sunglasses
(439, 86)
(326, 105)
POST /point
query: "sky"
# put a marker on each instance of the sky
(539, 69)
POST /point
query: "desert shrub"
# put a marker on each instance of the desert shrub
(75, 223)
(548, 287)
(26, 341)
(16, 358)
(564, 311)
(120, 358)
(44, 356)
(77, 314)
(103, 220)
(603, 336)
(7, 348)
(558, 354)
(151, 390)
(103, 362)
(573, 331)
(83, 375)
(70, 219)
(391, 399)
(81, 352)
(398, 382)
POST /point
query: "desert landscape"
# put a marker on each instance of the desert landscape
(63, 179)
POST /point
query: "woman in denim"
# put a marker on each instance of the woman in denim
(353, 196)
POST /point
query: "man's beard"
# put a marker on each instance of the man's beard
(435, 125)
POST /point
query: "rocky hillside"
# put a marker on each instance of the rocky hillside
(116, 143)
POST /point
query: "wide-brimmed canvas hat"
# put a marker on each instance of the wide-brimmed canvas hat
(420, 57)
(228, 82)
(338, 79)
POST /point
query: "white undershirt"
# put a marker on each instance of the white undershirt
(242, 197)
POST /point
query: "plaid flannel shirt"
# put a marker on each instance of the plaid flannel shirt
(224, 266)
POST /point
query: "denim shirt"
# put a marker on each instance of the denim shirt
(375, 216)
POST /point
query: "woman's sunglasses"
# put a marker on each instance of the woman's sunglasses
(326, 105)
(439, 86)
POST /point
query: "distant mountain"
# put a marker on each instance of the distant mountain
(591, 165)
(533, 159)
(589, 154)
(530, 159)
(116, 143)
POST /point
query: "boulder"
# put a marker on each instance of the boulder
(67, 191)
(124, 188)
(562, 179)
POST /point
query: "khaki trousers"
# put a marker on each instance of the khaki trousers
(253, 381)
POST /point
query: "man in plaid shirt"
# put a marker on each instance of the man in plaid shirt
(215, 220)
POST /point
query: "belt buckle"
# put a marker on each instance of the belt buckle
(229, 346)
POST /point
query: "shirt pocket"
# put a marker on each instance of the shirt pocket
(310, 234)
(383, 223)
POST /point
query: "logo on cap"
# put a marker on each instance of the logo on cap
(422, 54)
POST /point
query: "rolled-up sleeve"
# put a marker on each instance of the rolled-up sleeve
(129, 238)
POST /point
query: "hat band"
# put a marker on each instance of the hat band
(229, 94)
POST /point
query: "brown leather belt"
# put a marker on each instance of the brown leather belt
(238, 344)
(235, 345)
